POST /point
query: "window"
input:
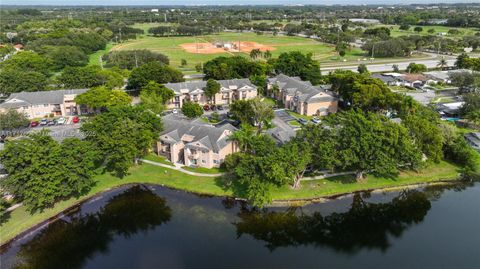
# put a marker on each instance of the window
(177, 98)
(215, 161)
(45, 105)
(25, 107)
(203, 161)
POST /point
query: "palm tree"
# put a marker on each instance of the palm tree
(244, 137)
(442, 63)
(255, 53)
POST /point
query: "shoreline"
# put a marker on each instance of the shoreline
(275, 203)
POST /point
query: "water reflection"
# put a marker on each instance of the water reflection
(364, 225)
(68, 243)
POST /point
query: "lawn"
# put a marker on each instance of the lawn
(20, 220)
(170, 46)
(395, 31)
(204, 170)
(159, 159)
(94, 58)
(296, 115)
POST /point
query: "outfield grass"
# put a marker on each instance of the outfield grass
(20, 220)
(170, 46)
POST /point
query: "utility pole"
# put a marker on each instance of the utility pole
(136, 60)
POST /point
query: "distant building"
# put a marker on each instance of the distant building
(450, 110)
(45, 103)
(367, 21)
(302, 97)
(194, 143)
(474, 140)
(193, 91)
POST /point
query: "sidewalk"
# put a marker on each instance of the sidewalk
(178, 168)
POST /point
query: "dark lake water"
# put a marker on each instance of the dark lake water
(154, 227)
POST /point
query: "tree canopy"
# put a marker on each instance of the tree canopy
(153, 71)
(130, 59)
(122, 134)
(42, 171)
(192, 110)
(102, 98)
(298, 64)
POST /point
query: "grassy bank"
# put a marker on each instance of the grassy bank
(20, 220)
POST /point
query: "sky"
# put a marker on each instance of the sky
(222, 2)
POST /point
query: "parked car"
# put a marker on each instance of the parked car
(76, 119)
(34, 124)
(206, 107)
(43, 122)
(174, 111)
(302, 121)
(316, 120)
(220, 107)
(61, 121)
(51, 123)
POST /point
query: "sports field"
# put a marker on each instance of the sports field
(395, 31)
(172, 46)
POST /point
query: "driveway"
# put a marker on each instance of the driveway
(282, 131)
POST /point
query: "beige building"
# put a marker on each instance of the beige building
(45, 103)
(302, 97)
(193, 91)
(194, 143)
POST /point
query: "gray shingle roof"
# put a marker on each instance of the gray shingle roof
(37, 98)
(304, 91)
(191, 86)
(205, 134)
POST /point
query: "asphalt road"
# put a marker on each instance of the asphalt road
(387, 67)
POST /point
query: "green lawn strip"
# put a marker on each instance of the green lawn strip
(204, 170)
(20, 220)
(269, 101)
(94, 58)
(296, 115)
(159, 159)
(347, 184)
(294, 123)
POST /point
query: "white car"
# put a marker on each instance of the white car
(174, 111)
(61, 121)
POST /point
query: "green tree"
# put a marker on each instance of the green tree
(12, 119)
(369, 142)
(418, 29)
(130, 59)
(362, 69)
(296, 156)
(41, 171)
(155, 96)
(471, 103)
(28, 61)
(442, 63)
(101, 98)
(296, 63)
(153, 71)
(211, 89)
(242, 110)
(62, 56)
(192, 110)
(262, 113)
(14, 80)
(323, 146)
(416, 68)
(426, 134)
(122, 135)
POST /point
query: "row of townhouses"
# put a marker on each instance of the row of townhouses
(45, 103)
(417, 80)
(193, 91)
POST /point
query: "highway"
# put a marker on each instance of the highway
(431, 62)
